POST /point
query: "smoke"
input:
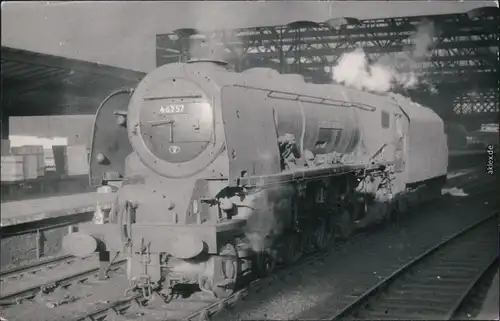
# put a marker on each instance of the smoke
(354, 70)
(203, 47)
(214, 38)
(423, 39)
(389, 71)
(271, 209)
(260, 225)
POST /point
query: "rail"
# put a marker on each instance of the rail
(30, 292)
(121, 305)
(456, 268)
(34, 266)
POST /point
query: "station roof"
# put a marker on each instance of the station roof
(35, 83)
(84, 30)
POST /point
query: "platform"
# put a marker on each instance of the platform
(19, 212)
(49, 185)
(489, 309)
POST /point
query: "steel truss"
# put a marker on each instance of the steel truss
(465, 49)
(482, 101)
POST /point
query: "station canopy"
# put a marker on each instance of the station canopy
(41, 84)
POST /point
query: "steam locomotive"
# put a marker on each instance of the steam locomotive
(223, 175)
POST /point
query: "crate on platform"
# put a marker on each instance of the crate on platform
(34, 163)
(12, 168)
(5, 147)
(30, 166)
(60, 159)
(78, 162)
(48, 159)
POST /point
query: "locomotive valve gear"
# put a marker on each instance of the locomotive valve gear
(265, 263)
(223, 271)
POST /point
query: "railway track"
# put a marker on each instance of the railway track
(434, 285)
(28, 293)
(12, 277)
(266, 304)
(472, 305)
(202, 307)
(197, 307)
(36, 267)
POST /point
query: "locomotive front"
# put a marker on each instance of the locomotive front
(163, 218)
(174, 120)
(225, 173)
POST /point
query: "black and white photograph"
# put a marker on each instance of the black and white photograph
(249, 160)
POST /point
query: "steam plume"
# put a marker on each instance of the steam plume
(388, 72)
(266, 221)
(210, 18)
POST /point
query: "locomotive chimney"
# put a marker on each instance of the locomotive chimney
(206, 51)
(203, 48)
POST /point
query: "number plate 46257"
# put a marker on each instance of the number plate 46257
(171, 109)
